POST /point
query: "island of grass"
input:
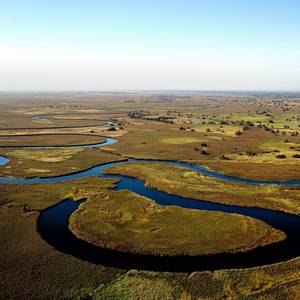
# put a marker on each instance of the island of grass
(33, 140)
(131, 223)
(28, 162)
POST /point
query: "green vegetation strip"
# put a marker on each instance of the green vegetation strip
(49, 140)
(190, 184)
(52, 162)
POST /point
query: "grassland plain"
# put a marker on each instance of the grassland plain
(163, 141)
(49, 140)
(131, 223)
(22, 118)
(187, 183)
(51, 275)
(222, 114)
(52, 162)
(97, 130)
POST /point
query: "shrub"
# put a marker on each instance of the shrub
(223, 157)
(203, 152)
(251, 153)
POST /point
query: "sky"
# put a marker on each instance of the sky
(149, 45)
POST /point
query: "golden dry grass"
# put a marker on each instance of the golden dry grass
(131, 223)
(191, 184)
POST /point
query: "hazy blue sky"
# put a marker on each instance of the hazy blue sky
(166, 44)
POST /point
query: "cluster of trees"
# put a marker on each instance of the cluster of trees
(146, 115)
(202, 151)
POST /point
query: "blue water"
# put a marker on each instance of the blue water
(35, 118)
(96, 170)
(44, 117)
(53, 227)
(53, 224)
(108, 141)
(3, 160)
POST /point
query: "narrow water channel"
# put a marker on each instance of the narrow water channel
(53, 225)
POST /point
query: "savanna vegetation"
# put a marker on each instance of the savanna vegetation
(127, 222)
(52, 162)
(49, 140)
(254, 136)
(191, 184)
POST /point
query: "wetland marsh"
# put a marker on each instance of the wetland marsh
(175, 187)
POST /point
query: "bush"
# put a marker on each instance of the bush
(251, 153)
(281, 156)
(203, 152)
(223, 157)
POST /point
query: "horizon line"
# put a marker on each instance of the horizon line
(148, 90)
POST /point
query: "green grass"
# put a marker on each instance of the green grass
(279, 281)
(41, 196)
(54, 155)
(149, 141)
(131, 223)
(191, 184)
(215, 129)
(52, 162)
(30, 269)
(237, 117)
(181, 140)
(50, 140)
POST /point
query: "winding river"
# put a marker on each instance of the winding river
(108, 140)
(53, 224)
(44, 117)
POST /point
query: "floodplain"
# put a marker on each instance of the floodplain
(239, 135)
